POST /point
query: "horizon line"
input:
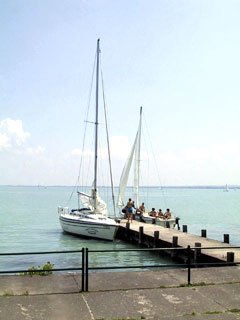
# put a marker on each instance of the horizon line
(152, 186)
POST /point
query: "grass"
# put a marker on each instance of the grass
(201, 284)
(234, 310)
(123, 318)
(190, 314)
(7, 294)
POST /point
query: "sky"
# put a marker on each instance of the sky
(178, 59)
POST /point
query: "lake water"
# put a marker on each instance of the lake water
(29, 223)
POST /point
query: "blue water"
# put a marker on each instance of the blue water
(29, 223)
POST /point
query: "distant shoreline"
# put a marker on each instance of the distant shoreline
(160, 187)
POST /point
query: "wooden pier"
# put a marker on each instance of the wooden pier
(152, 235)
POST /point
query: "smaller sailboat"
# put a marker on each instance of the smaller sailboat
(134, 157)
(226, 189)
(92, 219)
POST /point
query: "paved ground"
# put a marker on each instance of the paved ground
(215, 295)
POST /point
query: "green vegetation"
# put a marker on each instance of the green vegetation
(234, 310)
(212, 312)
(39, 271)
(201, 284)
(123, 318)
(190, 314)
(7, 294)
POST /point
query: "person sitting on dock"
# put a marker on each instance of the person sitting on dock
(167, 214)
(130, 206)
(141, 209)
(160, 214)
(153, 213)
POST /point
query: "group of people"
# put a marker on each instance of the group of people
(160, 214)
(128, 210)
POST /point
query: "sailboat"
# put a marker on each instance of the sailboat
(134, 157)
(226, 188)
(92, 220)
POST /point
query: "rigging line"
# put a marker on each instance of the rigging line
(85, 129)
(154, 157)
(108, 144)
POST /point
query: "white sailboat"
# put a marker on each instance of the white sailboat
(92, 220)
(226, 188)
(134, 156)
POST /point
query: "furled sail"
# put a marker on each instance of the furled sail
(88, 201)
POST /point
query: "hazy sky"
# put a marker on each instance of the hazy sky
(179, 59)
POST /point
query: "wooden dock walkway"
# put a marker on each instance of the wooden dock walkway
(175, 238)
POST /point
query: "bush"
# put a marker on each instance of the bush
(33, 271)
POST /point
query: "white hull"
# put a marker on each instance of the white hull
(91, 226)
(159, 221)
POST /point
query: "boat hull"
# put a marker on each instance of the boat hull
(88, 228)
(166, 223)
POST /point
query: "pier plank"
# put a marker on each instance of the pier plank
(185, 239)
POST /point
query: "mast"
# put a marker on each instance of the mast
(96, 131)
(137, 161)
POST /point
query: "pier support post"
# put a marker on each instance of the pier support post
(127, 230)
(230, 256)
(226, 238)
(197, 252)
(184, 228)
(156, 237)
(153, 221)
(174, 245)
(174, 241)
(204, 233)
(140, 237)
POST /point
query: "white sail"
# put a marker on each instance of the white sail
(135, 152)
(124, 175)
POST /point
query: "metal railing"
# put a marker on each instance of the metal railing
(85, 254)
(189, 264)
(80, 268)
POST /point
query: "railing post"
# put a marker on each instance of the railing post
(86, 269)
(189, 264)
(83, 266)
(184, 228)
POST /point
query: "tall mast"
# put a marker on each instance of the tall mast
(96, 129)
(137, 161)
